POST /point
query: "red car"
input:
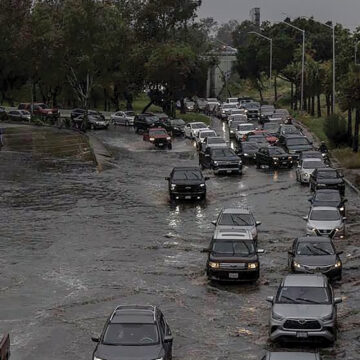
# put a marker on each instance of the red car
(5, 347)
(41, 110)
(159, 137)
(271, 139)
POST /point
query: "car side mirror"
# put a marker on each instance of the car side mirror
(168, 338)
(339, 253)
(306, 218)
(167, 178)
(258, 223)
(260, 251)
(270, 299)
(95, 339)
(206, 178)
(291, 253)
(213, 222)
(344, 218)
(205, 250)
(337, 300)
(345, 200)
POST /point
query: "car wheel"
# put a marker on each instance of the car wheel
(172, 198)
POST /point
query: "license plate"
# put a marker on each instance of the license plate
(161, 144)
(302, 335)
(188, 197)
(229, 171)
(233, 275)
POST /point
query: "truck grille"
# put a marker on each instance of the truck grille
(302, 325)
(232, 266)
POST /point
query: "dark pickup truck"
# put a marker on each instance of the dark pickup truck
(327, 178)
(5, 347)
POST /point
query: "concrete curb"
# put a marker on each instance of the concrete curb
(332, 157)
(100, 151)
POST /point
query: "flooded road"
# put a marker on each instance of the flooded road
(75, 243)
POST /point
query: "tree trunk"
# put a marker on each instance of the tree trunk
(327, 105)
(129, 100)
(313, 106)
(296, 98)
(318, 105)
(356, 131)
(275, 90)
(292, 97)
(147, 106)
(182, 106)
(349, 127)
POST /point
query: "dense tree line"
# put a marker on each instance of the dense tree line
(253, 64)
(83, 52)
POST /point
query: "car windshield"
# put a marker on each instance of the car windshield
(256, 138)
(328, 196)
(187, 175)
(312, 248)
(131, 334)
(177, 122)
(205, 134)
(198, 126)
(329, 174)
(157, 132)
(25, 112)
(297, 141)
(303, 295)
(216, 153)
(43, 106)
(276, 151)
(246, 127)
(129, 113)
(290, 130)
(311, 154)
(151, 119)
(249, 146)
(237, 220)
(313, 164)
(229, 106)
(216, 140)
(325, 215)
(272, 127)
(237, 112)
(235, 124)
(234, 247)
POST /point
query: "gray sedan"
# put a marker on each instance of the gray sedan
(123, 118)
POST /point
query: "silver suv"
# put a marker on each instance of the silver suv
(304, 309)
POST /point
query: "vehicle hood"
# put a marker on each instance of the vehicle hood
(232, 258)
(326, 203)
(325, 225)
(321, 260)
(307, 171)
(217, 145)
(110, 352)
(188, 182)
(226, 158)
(251, 228)
(329, 181)
(302, 311)
(163, 136)
(299, 148)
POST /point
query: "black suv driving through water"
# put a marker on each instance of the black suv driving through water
(187, 183)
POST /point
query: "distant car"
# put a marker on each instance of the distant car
(259, 139)
(213, 101)
(189, 105)
(283, 113)
(232, 101)
(224, 110)
(146, 121)
(200, 104)
(158, 137)
(252, 111)
(233, 256)
(325, 221)
(75, 113)
(202, 135)
(223, 160)
(295, 144)
(313, 254)
(123, 118)
(175, 127)
(244, 99)
(210, 109)
(233, 127)
(268, 138)
(271, 128)
(187, 183)
(265, 112)
(304, 309)
(327, 178)
(312, 154)
(41, 109)
(243, 129)
(191, 129)
(274, 157)
(306, 167)
(291, 356)
(3, 114)
(94, 122)
(286, 129)
(329, 197)
(214, 142)
(236, 116)
(237, 219)
(247, 150)
(134, 332)
(19, 115)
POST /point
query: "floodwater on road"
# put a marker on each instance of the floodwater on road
(75, 243)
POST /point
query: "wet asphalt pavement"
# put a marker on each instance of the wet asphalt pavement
(75, 243)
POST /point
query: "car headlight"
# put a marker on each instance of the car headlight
(168, 138)
(276, 316)
(151, 139)
(202, 185)
(275, 158)
(216, 163)
(253, 265)
(306, 174)
(246, 154)
(342, 208)
(296, 264)
(161, 358)
(97, 358)
(327, 317)
(338, 264)
(173, 186)
(290, 158)
(240, 162)
(214, 265)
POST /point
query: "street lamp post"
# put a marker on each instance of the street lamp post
(356, 52)
(271, 52)
(302, 62)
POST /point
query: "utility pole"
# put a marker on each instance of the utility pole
(302, 62)
(356, 52)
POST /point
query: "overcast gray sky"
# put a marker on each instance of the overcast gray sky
(346, 12)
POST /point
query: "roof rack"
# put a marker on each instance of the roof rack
(151, 308)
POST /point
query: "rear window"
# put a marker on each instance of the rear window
(216, 140)
(205, 134)
(328, 174)
(313, 164)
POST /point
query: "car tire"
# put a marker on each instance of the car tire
(172, 198)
